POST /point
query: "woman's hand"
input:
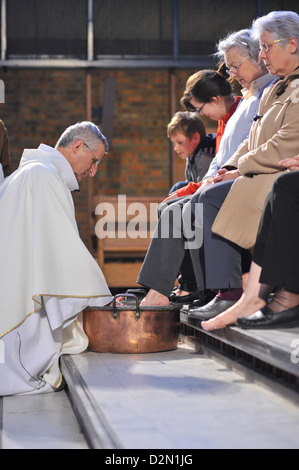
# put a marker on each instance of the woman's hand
(224, 175)
(290, 164)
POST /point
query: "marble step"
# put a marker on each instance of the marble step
(155, 401)
(42, 421)
(180, 399)
(277, 347)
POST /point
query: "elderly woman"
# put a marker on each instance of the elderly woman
(160, 267)
(240, 51)
(273, 136)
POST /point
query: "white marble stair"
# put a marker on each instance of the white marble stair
(178, 399)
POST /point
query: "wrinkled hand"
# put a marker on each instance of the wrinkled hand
(224, 175)
(291, 164)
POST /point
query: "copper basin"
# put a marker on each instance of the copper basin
(131, 328)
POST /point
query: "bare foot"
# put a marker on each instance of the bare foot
(153, 298)
(243, 308)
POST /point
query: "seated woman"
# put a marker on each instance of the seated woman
(275, 265)
(240, 51)
(187, 134)
(161, 267)
(232, 212)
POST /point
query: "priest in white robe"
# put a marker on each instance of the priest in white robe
(47, 274)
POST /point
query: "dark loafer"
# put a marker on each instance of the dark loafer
(206, 297)
(186, 299)
(265, 318)
(211, 310)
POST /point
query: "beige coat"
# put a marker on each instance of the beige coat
(272, 138)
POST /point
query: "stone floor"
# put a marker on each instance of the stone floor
(183, 400)
(178, 399)
(44, 421)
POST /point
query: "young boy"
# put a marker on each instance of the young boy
(188, 136)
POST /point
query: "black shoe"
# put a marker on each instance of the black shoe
(211, 310)
(206, 297)
(265, 318)
(186, 299)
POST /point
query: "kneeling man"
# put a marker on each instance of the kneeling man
(47, 274)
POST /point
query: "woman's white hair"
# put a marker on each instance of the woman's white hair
(282, 24)
(242, 39)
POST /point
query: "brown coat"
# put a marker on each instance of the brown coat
(273, 137)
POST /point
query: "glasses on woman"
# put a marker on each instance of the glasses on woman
(235, 68)
(265, 47)
(199, 110)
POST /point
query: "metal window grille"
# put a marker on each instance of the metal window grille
(96, 29)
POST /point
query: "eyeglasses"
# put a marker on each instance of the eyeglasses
(199, 110)
(235, 68)
(95, 160)
(265, 47)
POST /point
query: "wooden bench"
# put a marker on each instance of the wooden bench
(124, 226)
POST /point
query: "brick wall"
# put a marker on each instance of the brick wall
(40, 104)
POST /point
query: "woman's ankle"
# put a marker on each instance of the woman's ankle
(283, 300)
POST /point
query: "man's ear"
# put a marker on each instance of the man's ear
(77, 145)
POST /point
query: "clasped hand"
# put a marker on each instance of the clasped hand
(291, 164)
(224, 175)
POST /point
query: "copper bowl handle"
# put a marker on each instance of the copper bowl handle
(137, 309)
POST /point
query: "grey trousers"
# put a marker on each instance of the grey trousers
(186, 225)
(220, 260)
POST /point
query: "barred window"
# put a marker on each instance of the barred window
(133, 27)
(126, 28)
(55, 28)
